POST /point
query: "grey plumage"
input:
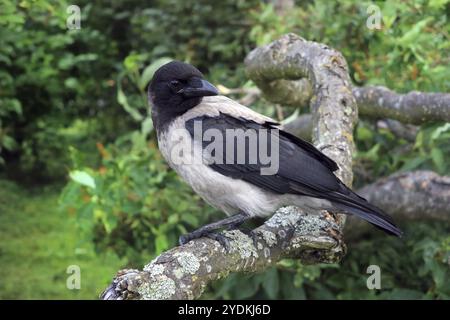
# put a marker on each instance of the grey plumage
(224, 193)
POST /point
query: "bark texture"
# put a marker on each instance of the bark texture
(412, 195)
(184, 271)
(413, 107)
(374, 102)
(415, 195)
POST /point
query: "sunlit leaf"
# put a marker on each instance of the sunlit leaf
(83, 178)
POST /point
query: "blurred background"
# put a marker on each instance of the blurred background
(82, 182)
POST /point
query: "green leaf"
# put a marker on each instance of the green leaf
(440, 130)
(438, 159)
(247, 287)
(271, 283)
(16, 106)
(437, 4)
(122, 99)
(83, 178)
(9, 143)
(161, 243)
(147, 126)
(410, 36)
(364, 133)
(131, 62)
(413, 164)
(190, 219)
(404, 294)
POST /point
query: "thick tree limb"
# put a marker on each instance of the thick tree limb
(412, 195)
(405, 131)
(415, 195)
(250, 95)
(184, 272)
(302, 127)
(413, 107)
(373, 102)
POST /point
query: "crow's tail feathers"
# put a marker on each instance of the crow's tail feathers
(373, 217)
(353, 204)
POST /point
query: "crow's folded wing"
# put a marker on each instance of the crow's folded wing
(302, 169)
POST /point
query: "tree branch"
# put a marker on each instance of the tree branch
(373, 102)
(184, 271)
(414, 195)
(413, 107)
(302, 127)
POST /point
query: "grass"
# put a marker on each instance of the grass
(38, 243)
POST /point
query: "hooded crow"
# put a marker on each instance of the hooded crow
(248, 167)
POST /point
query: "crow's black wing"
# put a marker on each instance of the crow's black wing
(302, 169)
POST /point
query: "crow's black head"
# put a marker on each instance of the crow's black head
(175, 88)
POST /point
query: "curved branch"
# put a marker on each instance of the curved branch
(302, 127)
(400, 130)
(413, 107)
(332, 105)
(184, 271)
(373, 102)
(412, 195)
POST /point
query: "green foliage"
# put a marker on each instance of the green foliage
(410, 52)
(9, 107)
(381, 153)
(200, 32)
(47, 72)
(73, 104)
(135, 205)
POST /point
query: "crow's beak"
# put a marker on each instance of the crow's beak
(200, 88)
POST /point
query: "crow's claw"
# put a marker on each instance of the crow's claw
(216, 236)
(219, 237)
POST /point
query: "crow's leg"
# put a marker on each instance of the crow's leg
(210, 230)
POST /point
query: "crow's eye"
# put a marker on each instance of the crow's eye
(176, 86)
